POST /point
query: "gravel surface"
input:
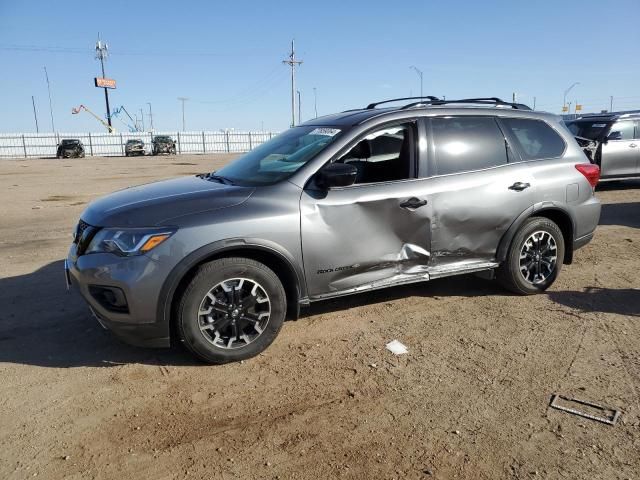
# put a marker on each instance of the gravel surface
(326, 400)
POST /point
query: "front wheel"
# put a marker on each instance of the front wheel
(534, 259)
(232, 309)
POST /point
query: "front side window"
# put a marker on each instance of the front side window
(280, 157)
(537, 140)
(467, 143)
(384, 155)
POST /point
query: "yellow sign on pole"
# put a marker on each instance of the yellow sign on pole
(578, 107)
(565, 109)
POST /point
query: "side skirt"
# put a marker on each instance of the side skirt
(406, 279)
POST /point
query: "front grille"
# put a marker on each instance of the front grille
(83, 236)
(82, 226)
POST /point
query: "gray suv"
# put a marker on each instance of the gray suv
(343, 204)
(615, 141)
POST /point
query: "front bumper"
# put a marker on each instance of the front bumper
(139, 277)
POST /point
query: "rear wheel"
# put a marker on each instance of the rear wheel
(232, 309)
(534, 258)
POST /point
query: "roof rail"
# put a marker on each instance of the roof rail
(478, 101)
(428, 97)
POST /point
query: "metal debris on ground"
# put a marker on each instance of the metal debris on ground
(609, 415)
(396, 347)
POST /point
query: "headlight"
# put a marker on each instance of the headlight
(129, 241)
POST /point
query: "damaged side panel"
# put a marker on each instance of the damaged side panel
(473, 211)
(359, 236)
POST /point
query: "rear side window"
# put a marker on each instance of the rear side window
(467, 143)
(536, 139)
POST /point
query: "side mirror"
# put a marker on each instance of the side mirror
(336, 175)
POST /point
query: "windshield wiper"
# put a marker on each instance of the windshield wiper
(218, 178)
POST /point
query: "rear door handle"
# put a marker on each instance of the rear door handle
(519, 186)
(413, 203)
(633, 145)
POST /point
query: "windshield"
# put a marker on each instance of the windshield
(162, 139)
(280, 157)
(591, 129)
(70, 142)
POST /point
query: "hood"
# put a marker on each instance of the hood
(160, 203)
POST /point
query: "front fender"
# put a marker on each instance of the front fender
(215, 249)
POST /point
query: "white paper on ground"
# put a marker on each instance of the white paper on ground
(396, 347)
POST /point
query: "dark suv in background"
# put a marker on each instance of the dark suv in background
(347, 203)
(70, 148)
(163, 144)
(615, 142)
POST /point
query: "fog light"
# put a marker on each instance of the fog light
(110, 298)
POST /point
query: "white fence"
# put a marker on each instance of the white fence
(27, 145)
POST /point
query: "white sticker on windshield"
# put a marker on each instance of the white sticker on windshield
(327, 132)
(598, 125)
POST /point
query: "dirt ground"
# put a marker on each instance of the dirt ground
(326, 400)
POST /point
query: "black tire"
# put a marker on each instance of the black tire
(209, 276)
(511, 274)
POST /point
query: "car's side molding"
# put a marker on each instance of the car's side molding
(535, 210)
(217, 249)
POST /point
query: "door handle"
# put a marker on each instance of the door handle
(519, 186)
(633, 145)
(413, 203)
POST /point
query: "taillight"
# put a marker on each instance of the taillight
(590, 171)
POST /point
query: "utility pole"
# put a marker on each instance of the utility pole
(142, 117)
(611, 104)
(53, 125)
(534, 103)
(315, 101)
(293, 63)
(150, 116)
(102, 50)
(299, 108)
(183, 99)
(419, 72)
(35, 115)
(513, 97)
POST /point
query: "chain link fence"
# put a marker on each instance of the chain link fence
(44, 145)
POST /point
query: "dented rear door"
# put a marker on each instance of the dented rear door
(365, 235)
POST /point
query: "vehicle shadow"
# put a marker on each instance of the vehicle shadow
(624, 214)
(42, 324)
(624, 301)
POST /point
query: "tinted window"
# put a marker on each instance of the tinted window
(537, 140)
(467, 143)
(592, 130)
(621, 131)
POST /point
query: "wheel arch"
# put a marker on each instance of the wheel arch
(272, 255)
(555, 213)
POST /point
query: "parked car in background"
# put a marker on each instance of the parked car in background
(163, 144)
(134, 147)
(70, 148)
(615, 143)
(348, 203)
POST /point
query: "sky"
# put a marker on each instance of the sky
(226, 57)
